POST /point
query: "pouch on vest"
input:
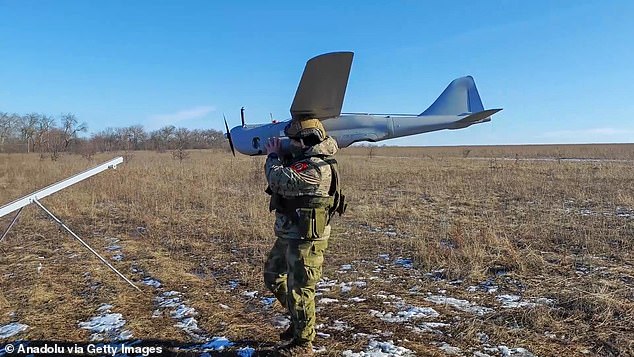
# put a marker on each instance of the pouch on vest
(311, 222)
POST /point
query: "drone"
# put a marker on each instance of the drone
(320, 95)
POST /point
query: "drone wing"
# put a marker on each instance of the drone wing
(322, 87)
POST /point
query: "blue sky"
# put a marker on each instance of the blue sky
(562, 70)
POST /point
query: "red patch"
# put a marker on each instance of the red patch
(299, 167)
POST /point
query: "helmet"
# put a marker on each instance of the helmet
(300, 129)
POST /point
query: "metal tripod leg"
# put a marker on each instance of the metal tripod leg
(85, 244)
(15, 219)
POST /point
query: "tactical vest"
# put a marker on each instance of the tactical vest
(334, 203)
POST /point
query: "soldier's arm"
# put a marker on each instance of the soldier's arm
(287, 179)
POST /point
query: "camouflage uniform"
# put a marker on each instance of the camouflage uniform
(294, 265)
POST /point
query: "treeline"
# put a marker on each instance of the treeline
(46, 134)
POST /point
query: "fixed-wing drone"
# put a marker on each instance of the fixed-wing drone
(320, 95)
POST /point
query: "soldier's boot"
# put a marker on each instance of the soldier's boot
(296, 349)
(288, 334)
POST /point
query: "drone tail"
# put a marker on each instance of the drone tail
(459, 98)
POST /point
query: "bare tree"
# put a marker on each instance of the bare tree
(41, 140)
(71, 127)
(7, 128)
(28, 127)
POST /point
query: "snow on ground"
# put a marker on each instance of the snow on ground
(184, 315)
(12, 329)
(407, 314)
(115, 249)
(234, 284)
(345, 267)
(510, 352)
(268, 301)
(149, 281)
(432, 327)
(325, 301)
(462, 305)
(515, 301)
(172, 302)
(106, 325)
(245, 352)
(356, 299)
(487, 286)
(450, 350)
(281, 322)
(570, 206)
(404, 262)
(380, 349)
(347, 287)
(339, 325)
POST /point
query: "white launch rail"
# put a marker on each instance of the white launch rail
(36, 196)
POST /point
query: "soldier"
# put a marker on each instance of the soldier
(305, 195)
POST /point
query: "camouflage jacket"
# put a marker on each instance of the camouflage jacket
(308, 176)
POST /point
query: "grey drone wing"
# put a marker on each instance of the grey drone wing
(323, 86)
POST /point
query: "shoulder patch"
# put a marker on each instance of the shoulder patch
(299, 167)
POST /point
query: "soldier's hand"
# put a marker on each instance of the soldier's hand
(274, 145)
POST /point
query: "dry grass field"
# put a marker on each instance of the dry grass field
(479, 251)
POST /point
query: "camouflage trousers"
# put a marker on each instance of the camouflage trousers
(291, 272)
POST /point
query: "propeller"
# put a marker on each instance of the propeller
(229, 136)
(242, 115)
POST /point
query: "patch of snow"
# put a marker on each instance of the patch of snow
(384, 256)
(487, 286)
(514, 301)
(409, 313)
(183, 314)
(12, 329)
(339, 325)
(217, 344)
(462, 305)
(327, 300)
(450, 350)
(323, 335)
(365, 336)
(250, 294)
(233, 284)
(346, 267)
(183, 311)
(430, 327)
(436, 275)
(281, 322)
(481, 354)
(267, 301)
(149, 281)
(107, 325)
(326, 283)
(356, 299)
(104, 308)
(125, 335)
(246, 352)
(514, 352)
(404, 262)
(381, 349)
(224, 306)
(483, 337)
